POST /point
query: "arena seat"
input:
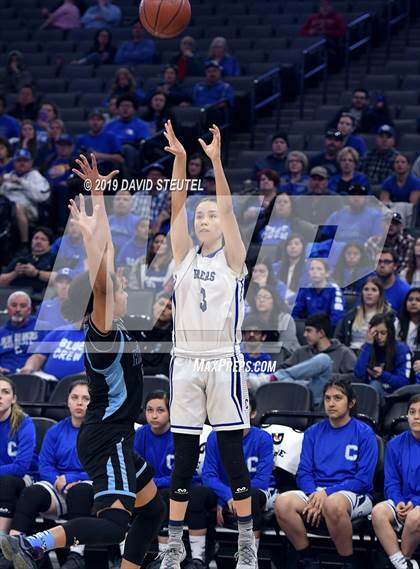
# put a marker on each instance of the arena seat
(42, 425)
(300, 328)
(77, 71)
(283, 396)
(151, 383)
(326, 112)
(140, 302)
(60, 395)
(307, 127)
(367, 401)
(395, 416)
(402, 67)
(29, 389)
(52, 85)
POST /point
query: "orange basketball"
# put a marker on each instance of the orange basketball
(165, 18)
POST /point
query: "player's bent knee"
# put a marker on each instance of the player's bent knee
(413, 519)
(153, 510)
(335, 507)
(381, 513)
(118, 521)
(284, 506)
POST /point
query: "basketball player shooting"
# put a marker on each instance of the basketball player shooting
(209, 309)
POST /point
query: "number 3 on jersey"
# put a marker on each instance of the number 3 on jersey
(203, 303)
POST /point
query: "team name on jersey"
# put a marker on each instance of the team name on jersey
(204, 275)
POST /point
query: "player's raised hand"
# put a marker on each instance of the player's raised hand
(213, 149)
(86, 223)
(91, 173)
(174, 146)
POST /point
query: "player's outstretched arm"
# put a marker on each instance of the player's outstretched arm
(180, 239)
(234, 248)
(97, 260)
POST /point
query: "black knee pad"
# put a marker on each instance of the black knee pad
(10, 490)
(108, 528)
(232, 454)
(187, 452)
(31, 502)
(79, 500)
(118, 521)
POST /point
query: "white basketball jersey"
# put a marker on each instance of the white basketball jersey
(207, 306)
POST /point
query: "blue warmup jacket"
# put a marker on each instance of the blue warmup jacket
(402, 469)
(329, 299)
(398, 377)
(17, 453)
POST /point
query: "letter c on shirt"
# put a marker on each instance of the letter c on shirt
(351, 452)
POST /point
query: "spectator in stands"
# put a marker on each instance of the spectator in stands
(319, 359)
(14, 74)
(295, 181)
(334, 141)
(64, 488)
(104, 15)
(102, 51)
(326, 22)
(254, 356)
(279, 326)
(65, 17)
(196, 167)
(18, 334)
(352, 329)
(9, 126)
(395, 288)
(216, 491)
(321, 296)
(351, 270)
(153, 352)
(155, 269)
(378, 163)
(26, 106)
(346, 125)
(6, 162)
(157, 113)
(140, 49)
(18, 459)
(162, 223)
(290, 269)
(277, 159)
(262, 275)
(33, 269)
(213, 90)
(383, 362)
(409, 329)
(28, 138)
(397, 238)
(136, 246)
(358, 109)
(402, 493)
(415, 170)
(58, 171)
(26, 188)
(218, 51)
(122, 222)
(47, 149)
(317, 209)
(49, 315)
(348, 160)
(186, 61)
(151, 203)
(123, 85)
(47, 113)
(69, 251)
(172, 88)
(401, 186)
(378, 115)
(335, 478)
(411, 274)
(356, 221)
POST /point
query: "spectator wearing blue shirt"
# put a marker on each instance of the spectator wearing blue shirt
(277, 159)
(401, 508)
(6, 162)
(64, 488)
(104, 15)
(9, 126)
(135, 247)
(348, 160)
(295, 181)
(402, 186)
(383, 362)
(394, 287)
(122, 222)
(334, 477)
(140, 49)
(57, 171)
(18, 334)
(346, 125)
(218, 51)
(47, 113)
(18, 459)
(213, 90)
(49, 316)
(69, 251)
(334, 142)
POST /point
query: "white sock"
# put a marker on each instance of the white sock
(80, 549)
(398, 560)
(257, 542)
(162, 546)
(198, 546)
(122, 547)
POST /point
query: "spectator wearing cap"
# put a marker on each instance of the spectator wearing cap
(295, 181)
(6, 162)
(218, 51)
(69, 251)
(348, 160)
(18, 334)
(187, 62)
(26, 188)
(33, 269)
(358, 109)
(402, 186)
(151, 203)
(395, 288)
(346, 125)
(318, 209)
(212, 90)
(9, 126)
(140, 49)
(333, 143)
(122, 221)
(105, 145)
(49, 316)
(104, 15)
(378, 163)
(356, 221)
(277, 159)
(397, 239)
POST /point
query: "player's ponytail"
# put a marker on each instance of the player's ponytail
(17, 414)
